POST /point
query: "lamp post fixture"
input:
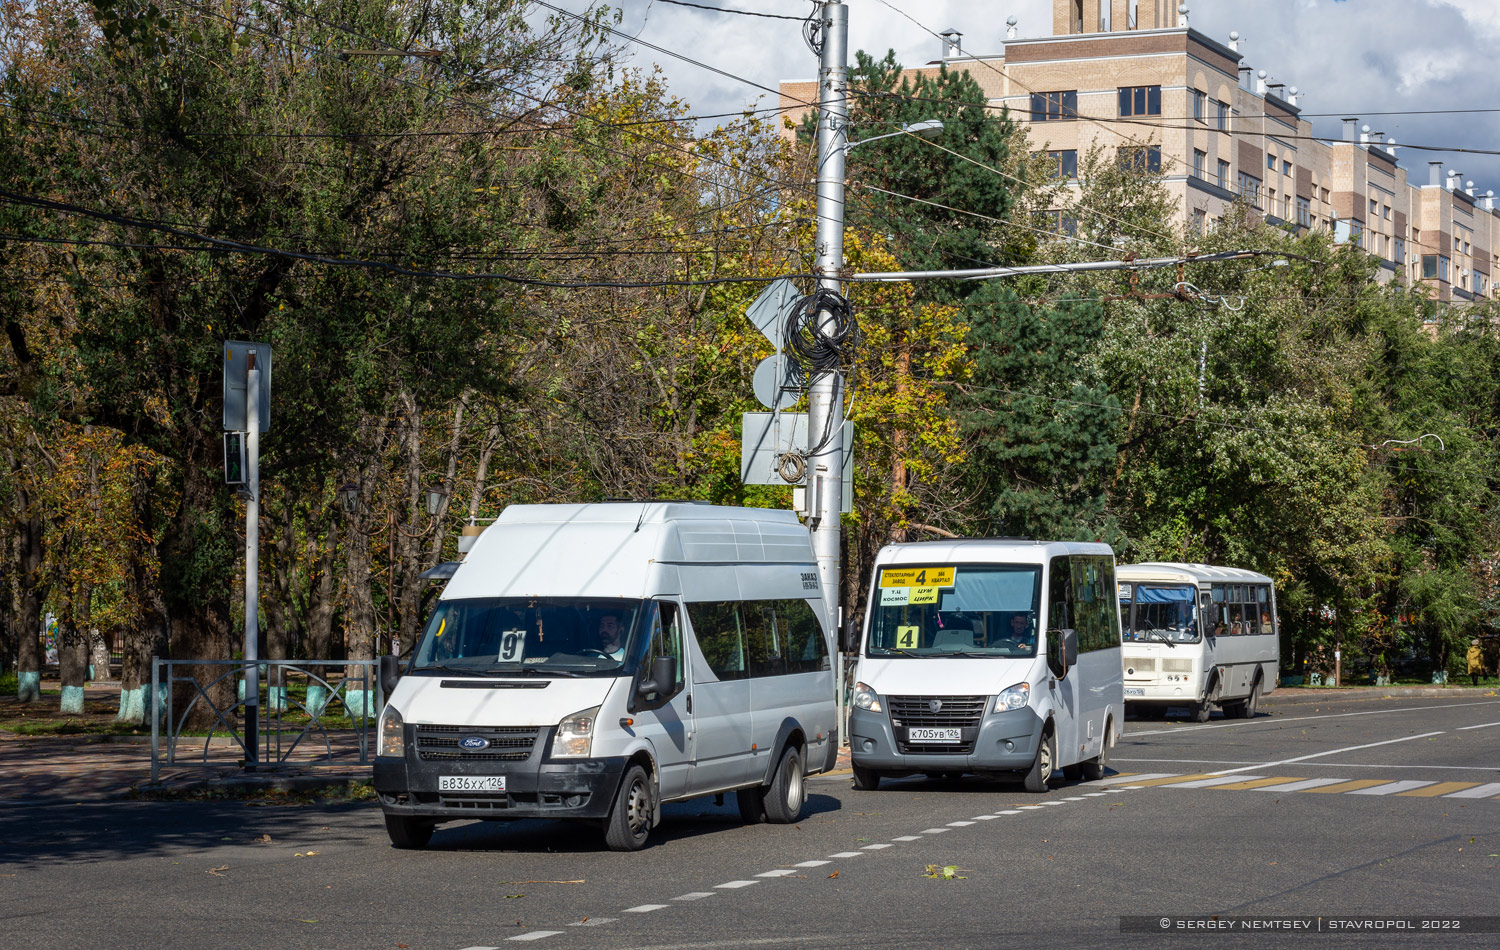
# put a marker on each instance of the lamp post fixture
(927, 128)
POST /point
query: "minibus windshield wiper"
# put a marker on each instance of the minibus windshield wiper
(439, 668)
(974, 653)
(532, 671)
(1157, 634)
(896, 652)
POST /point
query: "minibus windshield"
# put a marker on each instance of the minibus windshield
(970, 610)
(1163, 613)
(529, 635)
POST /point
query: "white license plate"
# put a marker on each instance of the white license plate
(471, 783)
(1135, 691)
(934, 735)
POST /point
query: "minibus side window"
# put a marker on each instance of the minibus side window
(717, 626)
(666, 640)
(806, 651)
(1060, 594)
(763, 648)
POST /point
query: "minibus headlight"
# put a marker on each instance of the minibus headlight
(392, 740)
(575, 735)
(1015, 697)
(865, 698)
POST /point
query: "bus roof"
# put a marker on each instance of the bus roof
(985, 550)
(1188, 573)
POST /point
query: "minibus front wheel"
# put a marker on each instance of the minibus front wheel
(408, 833)
(629, 822)
(1042, 765)
(866, 780)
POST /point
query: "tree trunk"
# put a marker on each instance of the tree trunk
(146, 635)
(72, 661)
(99, 660)
(29, 601)
(280, 618)
(198, 556)
(320, 608)
(361, 633)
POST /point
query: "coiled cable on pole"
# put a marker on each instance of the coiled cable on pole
(816, 348)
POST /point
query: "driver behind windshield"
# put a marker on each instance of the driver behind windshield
(610, 636)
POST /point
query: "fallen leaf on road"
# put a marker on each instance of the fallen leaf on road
(834, 874)
(302, 920)
(263, 839)
(306, 854)
(947, 872)
(215, 871)
(402, 946)
(511, 897)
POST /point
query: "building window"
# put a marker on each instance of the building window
(1286, 167)
(1400, 257)
(1200, 104)
(1064, 163)
(1373, 208)
(1141, 158)
(1223, 117)
(1200, 164)
(1140, 100)
(1223, 174)
(1304, 212)
(1434, 267)
(1200, 222)
(1325, 195)
(1249, 189)
(1270, 162)
(1059, 222)
(1054, 106)
(1385, 212)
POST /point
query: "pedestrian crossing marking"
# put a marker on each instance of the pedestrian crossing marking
(1258, 783)
(1347, 786)
(1216, 781)
(1173, 779)
(1391, 788)
(1433, 791)
(1301, 785)
(1489, 790)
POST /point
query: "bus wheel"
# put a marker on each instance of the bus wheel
(408, 834)
(629, 822)
(1201, 711)
(1041, 766)
(866, 780)
(752, 804)
(1093, 770)
(1247, 711)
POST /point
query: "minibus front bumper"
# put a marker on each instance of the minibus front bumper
(1001, 742)
(534, 787)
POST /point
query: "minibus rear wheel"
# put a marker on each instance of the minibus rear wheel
(787, 792)
(407, 833)
(1093, 770)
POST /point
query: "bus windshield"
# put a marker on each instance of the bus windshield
(525, 635)
(1159, 612)
(978, 610)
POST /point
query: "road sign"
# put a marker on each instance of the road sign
(768, 311)
(777, 382)
(767, 436)
(237, 355)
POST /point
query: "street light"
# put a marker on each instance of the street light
(436, 495)
(349, 497)
(927, 128)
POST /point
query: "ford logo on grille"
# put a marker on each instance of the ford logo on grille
(473, 743)
(935, 704)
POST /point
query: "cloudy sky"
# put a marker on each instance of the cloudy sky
(1423, 58)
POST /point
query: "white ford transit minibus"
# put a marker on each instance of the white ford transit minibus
(594, 661)
(988, 656)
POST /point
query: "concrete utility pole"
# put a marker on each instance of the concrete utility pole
(825, 428)
(252, 565)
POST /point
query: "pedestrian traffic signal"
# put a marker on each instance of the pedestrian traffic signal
(234, 458)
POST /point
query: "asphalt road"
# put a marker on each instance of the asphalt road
(1294, 815)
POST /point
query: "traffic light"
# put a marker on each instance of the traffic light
(234, 458)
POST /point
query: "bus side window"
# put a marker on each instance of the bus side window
(1060, 594)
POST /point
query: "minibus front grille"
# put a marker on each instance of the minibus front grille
(917, 712)
(506, 743)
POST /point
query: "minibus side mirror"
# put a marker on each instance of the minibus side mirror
(1062, 651)
(852, 629)
(661, 679)
(390, 673)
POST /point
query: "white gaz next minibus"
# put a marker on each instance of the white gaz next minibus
(594, 661)
(988, 656)
(1198, 636)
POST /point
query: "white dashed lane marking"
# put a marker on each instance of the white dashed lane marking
(593, 921)
(730, 885)
(934, 831)
(812, 864)
(908, 838)
(847, 854)
(645, 908)
(959, 824)
(874, 847)
(535, 935)
(694, 896)
(779, 872)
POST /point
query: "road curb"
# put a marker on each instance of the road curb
(1387, 691)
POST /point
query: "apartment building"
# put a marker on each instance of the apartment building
(1132, 78)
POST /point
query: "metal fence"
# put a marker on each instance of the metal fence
(306, 718)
